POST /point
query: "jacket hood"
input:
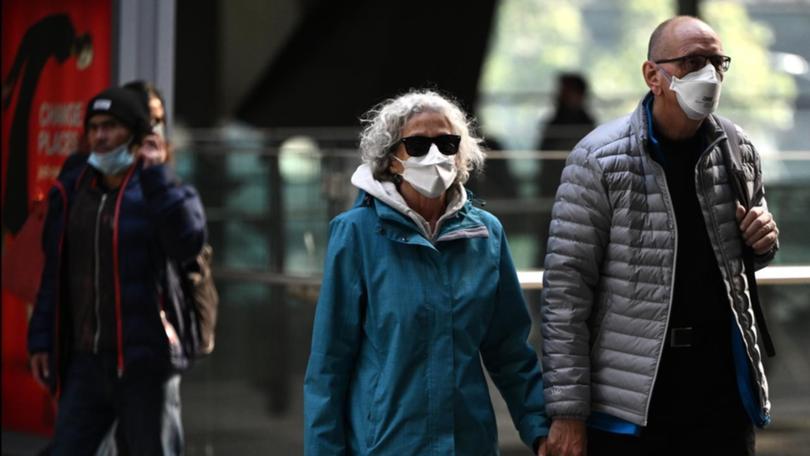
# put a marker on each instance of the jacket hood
(387, 193)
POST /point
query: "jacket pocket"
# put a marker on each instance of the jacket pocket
(372, 416)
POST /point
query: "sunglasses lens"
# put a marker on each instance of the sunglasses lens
(417, 146)
(447, 144)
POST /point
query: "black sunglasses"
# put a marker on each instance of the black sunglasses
(417, 146)
(694, 62)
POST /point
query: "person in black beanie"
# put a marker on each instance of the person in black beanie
(154, 102)
(98, 337)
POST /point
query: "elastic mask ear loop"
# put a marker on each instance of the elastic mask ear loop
(395, 177)
(666, 74)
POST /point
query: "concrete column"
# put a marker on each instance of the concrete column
(143, 44)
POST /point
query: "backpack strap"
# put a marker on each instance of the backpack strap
(733, 160)
(732, 157)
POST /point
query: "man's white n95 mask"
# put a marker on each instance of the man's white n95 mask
(698, 93)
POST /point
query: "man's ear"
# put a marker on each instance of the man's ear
(653, 77)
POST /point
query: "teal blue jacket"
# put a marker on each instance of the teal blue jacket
(401, 327)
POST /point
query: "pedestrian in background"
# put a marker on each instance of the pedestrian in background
(98, 336)
(569, 124)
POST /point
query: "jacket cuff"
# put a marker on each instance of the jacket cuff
(532, 429)
(760, 261)
(567, 408)
(37, 344)
(156, 179)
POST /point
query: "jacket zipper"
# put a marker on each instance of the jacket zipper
(734, 297)
(117, 272)
(671, 213)
(97, 272)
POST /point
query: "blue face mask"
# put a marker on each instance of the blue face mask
(112, 162)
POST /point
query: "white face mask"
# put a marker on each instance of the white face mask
(431, 174)
(698, 93)
(159, 129)
(113, 162)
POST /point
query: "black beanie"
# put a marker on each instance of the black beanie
(125, 105)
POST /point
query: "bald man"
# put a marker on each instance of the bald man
(649, 341)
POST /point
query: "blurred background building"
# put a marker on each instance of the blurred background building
(264, 99)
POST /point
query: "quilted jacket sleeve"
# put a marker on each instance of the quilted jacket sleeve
(578, 238)
(335, 339)
(752, 157)
(178, 210)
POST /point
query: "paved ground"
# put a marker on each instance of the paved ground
(225, 416)
(241, 425)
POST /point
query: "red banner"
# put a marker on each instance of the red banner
(56, 56)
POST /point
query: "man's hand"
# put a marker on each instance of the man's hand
(40, 369)
(758, 228)
(565, 438)
(152, 150)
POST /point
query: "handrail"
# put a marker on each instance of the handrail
(771, 275)
(529, 279)
(784, 275)
(199, 147)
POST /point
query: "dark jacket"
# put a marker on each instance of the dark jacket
(155, 218)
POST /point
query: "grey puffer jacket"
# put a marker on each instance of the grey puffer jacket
(610, 268)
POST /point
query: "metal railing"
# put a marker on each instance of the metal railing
(529, 279)
(332, 159)
(771, 275)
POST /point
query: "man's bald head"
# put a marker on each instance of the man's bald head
(664, 37)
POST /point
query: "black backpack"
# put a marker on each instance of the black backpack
(746, 196)
(192, 308)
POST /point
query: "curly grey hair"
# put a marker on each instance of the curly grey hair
(383, 125)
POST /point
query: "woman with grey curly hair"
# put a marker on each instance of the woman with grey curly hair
(385, 121)
(418, 288)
